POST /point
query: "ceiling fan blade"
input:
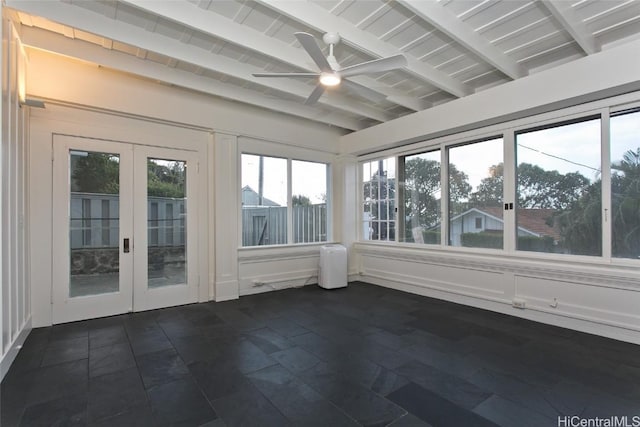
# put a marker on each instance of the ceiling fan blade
(285, 74)
(315, 95)
(364, 91)
(309, 44)
(375, 66)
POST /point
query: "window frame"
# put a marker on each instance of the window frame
(603, 108)
(603, 116)
(360, 200)
(267, 151)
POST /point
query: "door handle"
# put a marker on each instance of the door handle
(125, 245)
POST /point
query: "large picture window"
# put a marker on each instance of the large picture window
(625, 185)
(569, 187)
(271, 205)
(559, 191)
(475, 194)
(379, 192)
(420, 192)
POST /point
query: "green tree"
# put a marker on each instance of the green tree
(100, 173)
(300, 200)
(625, 205)
(166, 180)
(537, 188)
(422, 189)
(96, 173)
(490, 189)
(542, 189)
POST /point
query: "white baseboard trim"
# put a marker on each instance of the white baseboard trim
(10, 356)
(226, 290)
(563, 321)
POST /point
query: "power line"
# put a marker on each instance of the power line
(559, 158)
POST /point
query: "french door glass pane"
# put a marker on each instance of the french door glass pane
(94, 223)
(166, 222)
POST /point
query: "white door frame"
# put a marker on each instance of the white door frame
(145, 298)
(66, 308)
(133, 293)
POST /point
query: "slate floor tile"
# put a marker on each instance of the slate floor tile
(180, 402)
(507, 413)
(450, 387)
(161, 367)
(268, 340)
(67, 411)
(217, 379)
(296, 359)
(511, 388)
(287, 328)
(115, 393)
(361, 404)
(363, 354)
(434, 409)
(58, 380)
(139, 416)
(65, 351)
(194, 348)
(249, 407)
(110, 358)
(246, 357)
(409, 420)
(107, 336)
(149, 342)
(296, 400)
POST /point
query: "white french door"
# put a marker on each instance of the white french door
(125, 228)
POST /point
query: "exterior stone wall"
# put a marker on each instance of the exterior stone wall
(106, 260)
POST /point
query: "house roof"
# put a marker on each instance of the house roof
(250, 198)
(533, 220)
(454, 48)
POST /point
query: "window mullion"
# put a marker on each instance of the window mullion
(444, 196)
(289, 204)
(607, 219)
(509, 191)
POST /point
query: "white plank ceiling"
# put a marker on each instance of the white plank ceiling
(454, 47)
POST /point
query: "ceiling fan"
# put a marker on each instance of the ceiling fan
(331, 74)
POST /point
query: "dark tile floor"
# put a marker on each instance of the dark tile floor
(364, 355)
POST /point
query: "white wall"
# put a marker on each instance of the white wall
(598, 299)
(15, 305)
(57, 78)
(83, 99)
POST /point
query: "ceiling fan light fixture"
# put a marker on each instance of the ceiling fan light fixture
(330, 79)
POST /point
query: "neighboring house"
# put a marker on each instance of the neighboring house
(251, 198)
(531, 222)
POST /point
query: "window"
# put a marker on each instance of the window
(419, 194)
(559, 189)
(309, 200)
(264, 194)
(379, 186)
(625, 185)
(271, 205)
(475, 192)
